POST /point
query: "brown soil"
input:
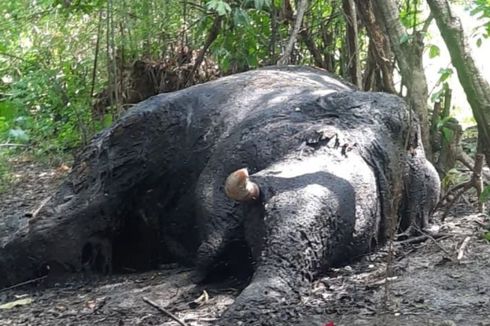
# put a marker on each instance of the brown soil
(429, 285)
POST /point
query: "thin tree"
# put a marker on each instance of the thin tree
(353, 62)
(408, 51)
(474, 84)
(380, 55)
(286, 56)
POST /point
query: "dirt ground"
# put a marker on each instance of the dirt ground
(429, 284)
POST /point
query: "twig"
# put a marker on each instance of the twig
(164, 311)
(24, 283)
(429, 236)
(483, 225)
(461, 250)
(202, 299)
(203, 319)
(12, 145)
(423, 237)
(467, 161)
(38, 209)
(383, 281)
(101, 320)
(13, 56)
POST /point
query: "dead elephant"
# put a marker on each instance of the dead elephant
(334, 166)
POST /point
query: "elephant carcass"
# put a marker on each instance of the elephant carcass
(334, 166)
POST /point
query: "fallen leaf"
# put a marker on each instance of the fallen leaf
(12, 304)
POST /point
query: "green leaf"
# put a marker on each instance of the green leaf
(224, 9)
(404, 39)
(240, 17)
(445, 74)
(221, 7)
(18, 134)
(485, 195)
(436, 96)
(448, 134)
(486, 235)
(434, 51)
(479, 42)
(7, 110)
(442, 122)
(107, 121)
(259, 4)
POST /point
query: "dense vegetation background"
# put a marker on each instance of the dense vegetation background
(70, 67)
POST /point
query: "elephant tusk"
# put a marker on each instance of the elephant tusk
(239, 187)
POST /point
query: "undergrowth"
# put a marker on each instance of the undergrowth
(5, 174)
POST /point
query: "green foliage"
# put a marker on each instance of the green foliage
(447, 133)
(48, 50)
(221, 7)
(434, 51)
(452, 177)
(44, 74)
(410, 14)
(485, 195)
(481, 9)
(444, 75)
(246, 42)
(486, 236)
(405, 38)
(5, 177)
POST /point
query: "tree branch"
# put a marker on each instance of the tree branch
(286, 57)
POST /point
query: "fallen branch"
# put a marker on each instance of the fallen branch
(164, 311)
(433, 239)
(23, 283)
(476, 182)
(422, 238)
(467, 161)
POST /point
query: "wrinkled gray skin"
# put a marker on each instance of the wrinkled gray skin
(164, 164)
(319, 207)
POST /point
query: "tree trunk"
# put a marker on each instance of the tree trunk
(379, 45)
(286, 56)
(409, 58)
(314, 51)
(353, 62)
(474, 84)
(212, 35)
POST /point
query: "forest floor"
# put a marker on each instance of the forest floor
(429, 286)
